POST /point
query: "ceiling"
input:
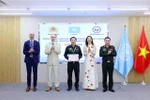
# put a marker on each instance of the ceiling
(68, 4)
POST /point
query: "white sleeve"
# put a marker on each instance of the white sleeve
(85, 51)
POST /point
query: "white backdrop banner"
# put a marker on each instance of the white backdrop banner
(65, 31)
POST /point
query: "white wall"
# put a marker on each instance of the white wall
(30, 24)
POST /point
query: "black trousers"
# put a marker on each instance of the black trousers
(29, 67)
(73, 66)
(107, 67)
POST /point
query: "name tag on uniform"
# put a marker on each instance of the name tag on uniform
(73, 57)
(70, 49)
(104, 49)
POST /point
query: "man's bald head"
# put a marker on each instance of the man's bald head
(31, 35)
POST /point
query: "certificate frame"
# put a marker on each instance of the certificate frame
(73, 57)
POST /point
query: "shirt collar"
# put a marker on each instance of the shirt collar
(32, 40)
(106, 47)
(72, 46)
(52, 42)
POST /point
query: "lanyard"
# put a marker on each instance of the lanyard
(73, 50)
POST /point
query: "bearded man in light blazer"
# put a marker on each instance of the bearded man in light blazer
(52, 50)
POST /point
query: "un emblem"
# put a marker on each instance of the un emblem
(125, 54)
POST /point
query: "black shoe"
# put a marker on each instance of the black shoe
(69, 89)
(27, 89)
(105, 89)
(34, 89)
(77, 89)
(112, 90)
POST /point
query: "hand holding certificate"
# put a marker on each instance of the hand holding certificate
(73, 57)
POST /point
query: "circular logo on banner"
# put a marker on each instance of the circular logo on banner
(96, 29)
(53, 30)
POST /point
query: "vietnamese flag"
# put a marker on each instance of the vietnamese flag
(142, 57)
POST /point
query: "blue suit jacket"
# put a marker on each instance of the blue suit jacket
(36, 52)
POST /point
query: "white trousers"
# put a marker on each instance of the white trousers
(53, 69)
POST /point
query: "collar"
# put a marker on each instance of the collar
(52, 42)
(72, 46)
(32, 40)
(107, 47)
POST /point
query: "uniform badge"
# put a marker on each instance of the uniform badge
(70, 49)
(77, 49)
(104, 49)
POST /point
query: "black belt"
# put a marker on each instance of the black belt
(73, 62)
(108, 61)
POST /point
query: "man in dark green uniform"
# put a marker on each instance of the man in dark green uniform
(73, 49)
(107, 52)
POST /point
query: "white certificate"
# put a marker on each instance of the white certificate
(73, 57)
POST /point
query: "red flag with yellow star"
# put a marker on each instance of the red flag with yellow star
(142, 57)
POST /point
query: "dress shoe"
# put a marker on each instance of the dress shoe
(92, 89)
(105, 89)
(48, 88)
(57, 89)
(112, 90)
(34, 89)
(27, 89)
(77, 89)
(87, 89)
(69, 89)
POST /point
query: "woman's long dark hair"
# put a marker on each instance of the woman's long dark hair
(86, 42)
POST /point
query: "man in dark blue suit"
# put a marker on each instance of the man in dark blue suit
(31, 51)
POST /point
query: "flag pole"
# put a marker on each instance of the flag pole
(143, 83)
(125, 81)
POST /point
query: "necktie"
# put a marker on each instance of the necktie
(31, 46)
(52, 43)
